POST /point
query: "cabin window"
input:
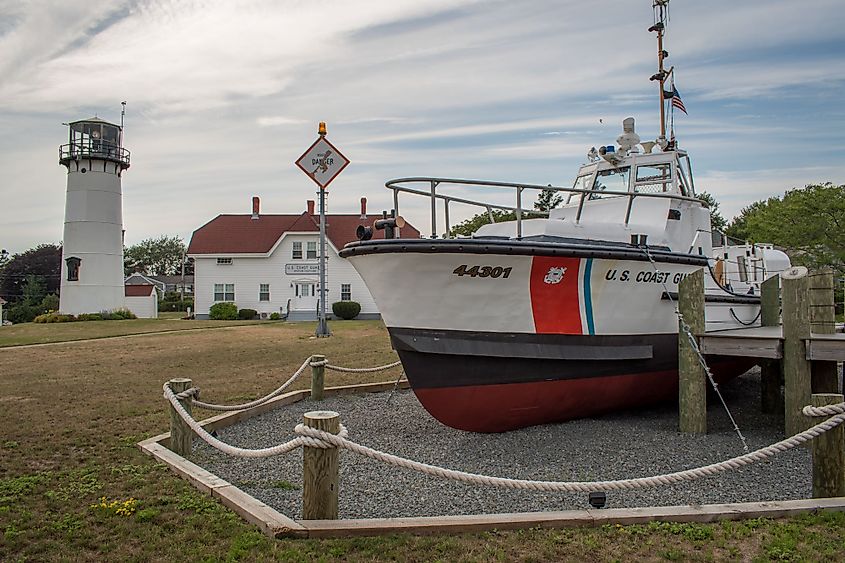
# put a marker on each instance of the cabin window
(582, 182)
(264, 292)
(346, 292)
(297, 251)
(224, 261)
(653, 178)
(224, 292)
(613, 180)
(311, 250)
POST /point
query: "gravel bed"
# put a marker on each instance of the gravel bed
(616, 446)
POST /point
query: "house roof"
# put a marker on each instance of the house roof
(137, 278)
(138, 290)
(241, 234)
(177, 279)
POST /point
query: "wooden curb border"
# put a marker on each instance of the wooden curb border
(275, 524)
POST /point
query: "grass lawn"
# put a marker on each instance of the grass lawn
(33, 333)
(70, 415)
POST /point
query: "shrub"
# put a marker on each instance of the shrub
(346, 309)
(89, 317)
(223, 312)
(175, 305)
(53, 317)
(23, 313)
(275, 316)
(50, 302)
(120, 314)
(247, 314)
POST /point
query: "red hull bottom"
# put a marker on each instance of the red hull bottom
(502, 407)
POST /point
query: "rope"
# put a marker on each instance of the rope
(585, 486)
(828, 410)
(228, 449)
(363, 370)
(315, 438)
(255, 403)
(694, 345)
(191, 392)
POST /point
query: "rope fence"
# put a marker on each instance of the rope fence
(194, 391)
(315, 438)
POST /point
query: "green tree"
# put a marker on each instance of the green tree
(475, 222)
(809, 223)
(44, 261)
(548, 199)
(160, 256)
(717, 221)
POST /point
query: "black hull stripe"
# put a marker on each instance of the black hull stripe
(436, 358)
(518, 248)
(710, 298)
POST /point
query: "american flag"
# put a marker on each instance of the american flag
(676, 100)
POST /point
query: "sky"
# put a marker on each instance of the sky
(223, 97)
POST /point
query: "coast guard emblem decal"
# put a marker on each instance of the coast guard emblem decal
(554, 275)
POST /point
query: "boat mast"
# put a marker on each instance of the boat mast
(661, 13)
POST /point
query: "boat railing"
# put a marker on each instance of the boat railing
(404, 185)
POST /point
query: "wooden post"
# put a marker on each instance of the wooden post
(692, 388)
(318, 378)
(181, 435)
(795, 366)
(823, 321)
(320, 479)
(828, 453)
(771, 397)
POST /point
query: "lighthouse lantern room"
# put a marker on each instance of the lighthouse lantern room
(92, 248)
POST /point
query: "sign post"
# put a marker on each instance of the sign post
(322, 162)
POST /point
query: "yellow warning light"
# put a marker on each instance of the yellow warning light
(322, 130)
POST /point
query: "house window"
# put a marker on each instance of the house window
(297, 251)
(224, 292)
(224, 261)
(312, 250)
(264, 292)
(346, 292)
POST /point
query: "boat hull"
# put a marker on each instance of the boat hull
(465, 386)
(495, 336)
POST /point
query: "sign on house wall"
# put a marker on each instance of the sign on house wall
(300, 269)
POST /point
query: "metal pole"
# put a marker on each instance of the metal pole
(433, 210)
(322, 324)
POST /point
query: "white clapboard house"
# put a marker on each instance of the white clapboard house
(269, 262)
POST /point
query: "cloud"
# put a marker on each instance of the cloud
(224, 96)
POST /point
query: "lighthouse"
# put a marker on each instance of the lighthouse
(92, 248)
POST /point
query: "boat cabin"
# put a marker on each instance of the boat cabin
(618, 197)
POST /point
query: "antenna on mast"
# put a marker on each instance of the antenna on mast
(122, 113)
(661, 17)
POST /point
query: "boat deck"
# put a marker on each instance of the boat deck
(767, 342)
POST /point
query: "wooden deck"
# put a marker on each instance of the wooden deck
(767, 342)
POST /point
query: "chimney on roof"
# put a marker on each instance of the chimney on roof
(256, 203)
(310, 203)
(363, 208)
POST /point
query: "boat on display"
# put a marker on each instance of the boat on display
(570, 314)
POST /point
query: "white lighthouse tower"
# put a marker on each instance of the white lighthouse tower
(92, 248)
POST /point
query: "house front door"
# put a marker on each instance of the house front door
(305, 296)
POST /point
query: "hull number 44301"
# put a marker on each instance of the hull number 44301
(483, 271)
